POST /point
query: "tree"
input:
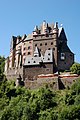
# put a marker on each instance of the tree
(2, 64)
(70, 113)
(69, 99)
(46, 98)
(75, 68)
(77, 100)
(76, 87)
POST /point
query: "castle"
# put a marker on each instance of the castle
(44, 51)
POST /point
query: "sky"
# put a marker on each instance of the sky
(18, 17)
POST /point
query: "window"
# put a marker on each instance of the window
(34, 62)
(51, 43)
(35, 55)
(40, 44)
(62, 56)
(30, 42)
(24, 53)
(39, 49)
(24, 48)
(48, 58)
(71, 55)
(35, 45)
(45, 43)
(29, 47)
(49, 54)
(29, 53)
(53, 49)
(49, 48)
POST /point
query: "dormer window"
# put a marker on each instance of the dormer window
(49, 54)
(62, 56)
(48, 58)
(34, 62)
(35, 56)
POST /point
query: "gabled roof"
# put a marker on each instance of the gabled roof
(61, 34)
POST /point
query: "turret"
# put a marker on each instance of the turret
(12, 51)
(55, 31)
(45, 27)
(18, 57)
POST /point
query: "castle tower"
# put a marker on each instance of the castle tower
(18, 57)
(44, 26)
(55, 31)
(12, 51)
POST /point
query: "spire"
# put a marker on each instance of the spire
(60, 29)
(56, 25)
(36, 28)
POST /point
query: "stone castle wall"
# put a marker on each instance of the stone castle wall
(31, 72)
(14, 72)
(52, 82)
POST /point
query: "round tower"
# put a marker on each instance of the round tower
(55, 31)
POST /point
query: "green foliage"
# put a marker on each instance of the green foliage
(40, 104)
(2, 63)
(76, 87)
(48, 115)
(68, 113)
(69, 99)
(77, 100)
(46, 98)
(75, 68)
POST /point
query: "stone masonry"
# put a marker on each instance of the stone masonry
(44, 51)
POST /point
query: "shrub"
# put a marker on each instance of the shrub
(75, 68)
(76, 87)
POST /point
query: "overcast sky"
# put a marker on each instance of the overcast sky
(18, 17)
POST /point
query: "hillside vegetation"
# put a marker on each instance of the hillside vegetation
(2, 63)
(39, 104)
